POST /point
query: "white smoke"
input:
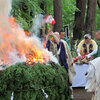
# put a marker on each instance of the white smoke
(5, 7)
(53, 58)
(14, 37)
(16, 58)
(38, 21)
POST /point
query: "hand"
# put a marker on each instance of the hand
(79, 57)
(51, 33)
(87, 58)
(50, 30)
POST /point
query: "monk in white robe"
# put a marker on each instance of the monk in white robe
(93, 78)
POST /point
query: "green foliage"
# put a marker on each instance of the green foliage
(28, 82)
(24, 11)
(68, 8)
(23, 23)
(98, 19)
(68, 11)
(50, 8)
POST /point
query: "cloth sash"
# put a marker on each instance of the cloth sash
(71, 70)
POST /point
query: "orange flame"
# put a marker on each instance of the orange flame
(28, 33)
(14, 40)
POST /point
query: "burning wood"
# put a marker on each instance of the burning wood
(15, 45)
(28, 33)
(31, 60)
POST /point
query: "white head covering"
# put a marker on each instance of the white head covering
(87, 36)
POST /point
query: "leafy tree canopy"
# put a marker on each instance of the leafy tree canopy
(25, 10)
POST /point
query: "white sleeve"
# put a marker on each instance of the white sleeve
(78, 52)
(92, 53)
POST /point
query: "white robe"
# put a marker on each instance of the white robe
(93, 78)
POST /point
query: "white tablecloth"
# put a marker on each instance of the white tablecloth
(80, 79)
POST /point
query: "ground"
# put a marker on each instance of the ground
(81, 94)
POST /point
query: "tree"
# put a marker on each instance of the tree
(58, 15)
(68, 12)
(91, 17)
(79, 18)
(90, 21)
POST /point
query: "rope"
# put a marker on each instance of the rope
(30, 89)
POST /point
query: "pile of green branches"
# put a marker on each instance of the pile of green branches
(38, 82)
